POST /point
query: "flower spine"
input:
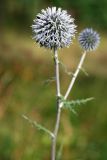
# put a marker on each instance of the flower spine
(54, 28)
(89, 39)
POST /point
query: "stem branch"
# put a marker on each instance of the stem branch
(74, 77)
(59, 105)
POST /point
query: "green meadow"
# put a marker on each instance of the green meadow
(27, 88)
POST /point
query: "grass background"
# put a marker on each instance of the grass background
(24, 69)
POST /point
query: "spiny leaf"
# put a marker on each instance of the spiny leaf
(84, 71)
(38, 126)
(46, 82)
(71, 104)
(65, 69)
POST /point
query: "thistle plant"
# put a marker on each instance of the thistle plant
(53, 29)
(89, 39)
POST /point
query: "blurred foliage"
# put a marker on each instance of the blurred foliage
(90, 12)
(23, 70)
(21, 12)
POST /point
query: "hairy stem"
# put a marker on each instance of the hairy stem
(54, 138)
(74, 77)
(56, 60)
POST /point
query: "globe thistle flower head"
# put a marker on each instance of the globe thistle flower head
(89, 39)
(53, 28)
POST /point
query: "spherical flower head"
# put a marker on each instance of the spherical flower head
(89, 39)
(53, 28)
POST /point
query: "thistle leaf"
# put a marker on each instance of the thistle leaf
(84, 71)
(72, 104)
(50, 80)
(38, 126)
(65, 69)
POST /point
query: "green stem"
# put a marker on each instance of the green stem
(74, 77)
(54, 138)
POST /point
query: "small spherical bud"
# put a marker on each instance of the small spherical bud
(53, 28)
(89, 39)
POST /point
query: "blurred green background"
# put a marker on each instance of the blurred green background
(24, 69)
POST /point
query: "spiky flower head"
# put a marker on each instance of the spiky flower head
(53, 28)
(89, 39)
